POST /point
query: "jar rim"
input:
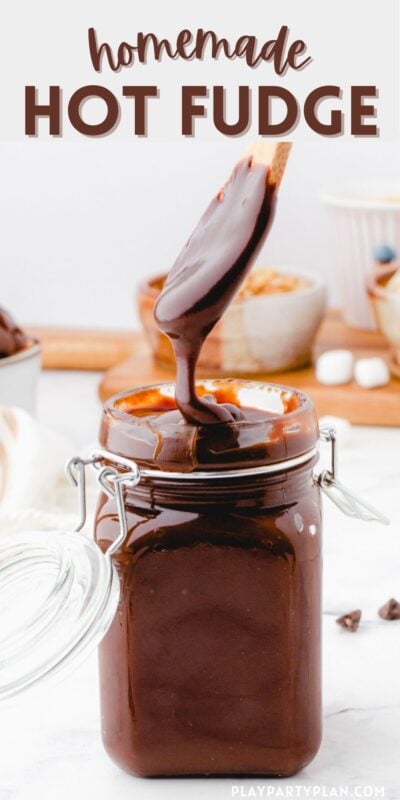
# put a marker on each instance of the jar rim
(286, 427)
(304, 402)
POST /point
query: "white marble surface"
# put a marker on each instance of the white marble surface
(49, 742)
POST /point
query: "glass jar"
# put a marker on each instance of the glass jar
(212, 664)
(202, 586)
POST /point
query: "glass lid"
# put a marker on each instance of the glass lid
(58, 591)
(58, 596)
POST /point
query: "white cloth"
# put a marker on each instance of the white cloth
(34, 491)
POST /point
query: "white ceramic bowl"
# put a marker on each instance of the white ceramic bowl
(364, 218)
(18, 378)
(257, 334)
(273, 332)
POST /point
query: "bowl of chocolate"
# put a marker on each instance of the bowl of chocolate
(384, 292)
(19, 365)
(269, 327)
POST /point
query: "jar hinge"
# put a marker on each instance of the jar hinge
(111, 481)
(346, 500)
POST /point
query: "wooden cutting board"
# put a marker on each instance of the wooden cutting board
(360, 406)
(82, 349)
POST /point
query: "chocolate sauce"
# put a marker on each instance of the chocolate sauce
(206, 276)
(12, 338)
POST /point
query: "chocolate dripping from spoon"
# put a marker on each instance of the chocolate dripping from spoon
(211, 268)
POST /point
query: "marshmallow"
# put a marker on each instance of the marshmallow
(371, 372)
(335, 367)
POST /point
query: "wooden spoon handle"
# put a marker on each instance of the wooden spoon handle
(272, 154)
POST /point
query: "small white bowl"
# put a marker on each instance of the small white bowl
(256, 335)
(273, 332)
(18, 377)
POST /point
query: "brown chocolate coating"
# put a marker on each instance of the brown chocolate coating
(206, 276)
(12, 338)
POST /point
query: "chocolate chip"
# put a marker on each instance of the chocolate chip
(350, 621)
(391, 610)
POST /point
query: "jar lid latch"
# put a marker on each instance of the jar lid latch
(112, 482)
(348, 502)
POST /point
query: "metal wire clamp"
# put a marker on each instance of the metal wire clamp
(348, 502)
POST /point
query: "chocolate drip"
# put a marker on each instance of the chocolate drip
(207, 275)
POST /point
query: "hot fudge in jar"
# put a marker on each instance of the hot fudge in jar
(212, 664)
